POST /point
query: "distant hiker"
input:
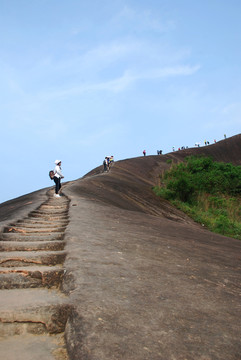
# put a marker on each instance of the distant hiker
(108, 162)
(105, 163)
(57, 177)
(224, 136)
(214, 141)
(160, 152)
(173, 149)
(144, 152)
(111, 159)
(205, 142)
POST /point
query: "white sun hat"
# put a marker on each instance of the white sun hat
(57, 162)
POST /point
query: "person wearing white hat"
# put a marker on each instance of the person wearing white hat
(57, 177)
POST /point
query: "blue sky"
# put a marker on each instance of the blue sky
(84, 79)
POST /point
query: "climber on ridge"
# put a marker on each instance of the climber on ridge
(57, 177)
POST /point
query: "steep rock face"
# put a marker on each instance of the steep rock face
(146, 282)
(129, 183)
(141, 281)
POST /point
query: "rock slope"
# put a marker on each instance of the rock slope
(122, 273)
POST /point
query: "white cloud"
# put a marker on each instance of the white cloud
(123, 82)
(164, 72)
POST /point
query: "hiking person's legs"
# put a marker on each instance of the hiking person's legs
(57, 184)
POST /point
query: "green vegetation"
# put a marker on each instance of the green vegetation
(208, 191)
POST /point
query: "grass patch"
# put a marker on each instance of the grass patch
(208, 191)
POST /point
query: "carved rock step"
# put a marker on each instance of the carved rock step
(31, 277)
(32, 230)
(33, 347)
(30, 237)
(55, 200)
(34, 311)
(28, 258)
(49, 206)
(41, 223)
(50, 212)
(62, 200)
(49, 217)
(55, 245)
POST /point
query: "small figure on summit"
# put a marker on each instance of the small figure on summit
(144, 152)
(57, 177)
(111, 159)
(105, 163)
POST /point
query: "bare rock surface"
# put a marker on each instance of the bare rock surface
(145, 280)
(140, 280)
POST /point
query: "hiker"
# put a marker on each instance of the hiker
(224, 136)
(144, 152)
(111, 159)
(105, 164)
(57, 177)
(108, 162)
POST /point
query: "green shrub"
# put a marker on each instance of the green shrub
(181, 188)
(222, 225)
(208, 191)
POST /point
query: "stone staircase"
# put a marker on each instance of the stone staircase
(33, 310)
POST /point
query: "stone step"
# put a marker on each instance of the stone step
(41, 223)
(30, 237)
(50, 217)
(56, 205)
(31, 277)
(55, 200)
(28, 258)
(34, 311)
(51, 207)
(32, 230)
(33, 347)
(54, 245)
(50, 212)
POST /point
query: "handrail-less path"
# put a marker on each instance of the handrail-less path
(31, 272)
(139, 279)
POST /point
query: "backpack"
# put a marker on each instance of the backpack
(51, 174)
